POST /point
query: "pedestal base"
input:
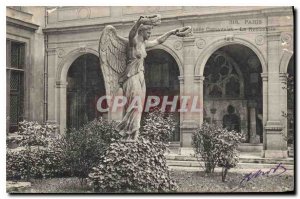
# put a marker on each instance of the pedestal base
(275, 154)
(276, 145)
(187, 129)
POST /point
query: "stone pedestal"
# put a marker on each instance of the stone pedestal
(187, 128)
(275, 144)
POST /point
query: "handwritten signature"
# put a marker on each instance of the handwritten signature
(275, 171)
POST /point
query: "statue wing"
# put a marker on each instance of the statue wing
(113, 59)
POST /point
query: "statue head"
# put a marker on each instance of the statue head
(145, 31)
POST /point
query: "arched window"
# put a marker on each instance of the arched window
(223, 78)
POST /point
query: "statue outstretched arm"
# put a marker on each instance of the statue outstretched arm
(180, 32)
(161, 39)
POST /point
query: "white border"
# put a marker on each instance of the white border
(3, 193)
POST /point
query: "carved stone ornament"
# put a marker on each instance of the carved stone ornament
(200, 43)
(84, 13)
(229, 38)
(60, 52)
(82, 49)
(259, 40)
(177, 45)
(286, 38)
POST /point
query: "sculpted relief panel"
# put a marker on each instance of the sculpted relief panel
(79, 13)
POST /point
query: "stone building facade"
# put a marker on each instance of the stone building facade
(236, 63)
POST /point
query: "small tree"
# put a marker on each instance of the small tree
(216, 146)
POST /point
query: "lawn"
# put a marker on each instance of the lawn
(192, 181)
(202, 182)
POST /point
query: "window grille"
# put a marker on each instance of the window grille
(15, 62)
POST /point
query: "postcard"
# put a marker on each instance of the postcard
(150, 99)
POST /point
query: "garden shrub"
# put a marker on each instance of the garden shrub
(25, 163)
(138, 166)
(31, 133)
(216, 146)
(43, 153)
(84, 147)
(38, 154)
(158, 126)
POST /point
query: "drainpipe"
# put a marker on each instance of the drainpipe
(45, 111)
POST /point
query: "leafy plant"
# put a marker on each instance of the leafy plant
(158, 126)
(216, 146)
(31, 133)
(137, 166)
(39, 154)
(42, 153)
(83, 148)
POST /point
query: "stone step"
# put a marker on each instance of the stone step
(243, 159)
(15, 187)
(173, 163)
(235, 170)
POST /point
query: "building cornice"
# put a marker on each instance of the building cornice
(21, 24)
(94, 25)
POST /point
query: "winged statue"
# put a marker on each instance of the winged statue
(122, 62)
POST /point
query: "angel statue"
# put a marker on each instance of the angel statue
(122, 62)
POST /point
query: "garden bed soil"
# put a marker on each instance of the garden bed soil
(188, 182)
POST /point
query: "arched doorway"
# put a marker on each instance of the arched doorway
(161, 76)
(85, 86)
(290, 100)
(233, 91)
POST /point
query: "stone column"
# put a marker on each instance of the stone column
(264, 77)
(181, 84)
(51, 102)
(254, 139)
(283, 96)
(199, 92)
(61, 93)
(188, 124)
(275, 143)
